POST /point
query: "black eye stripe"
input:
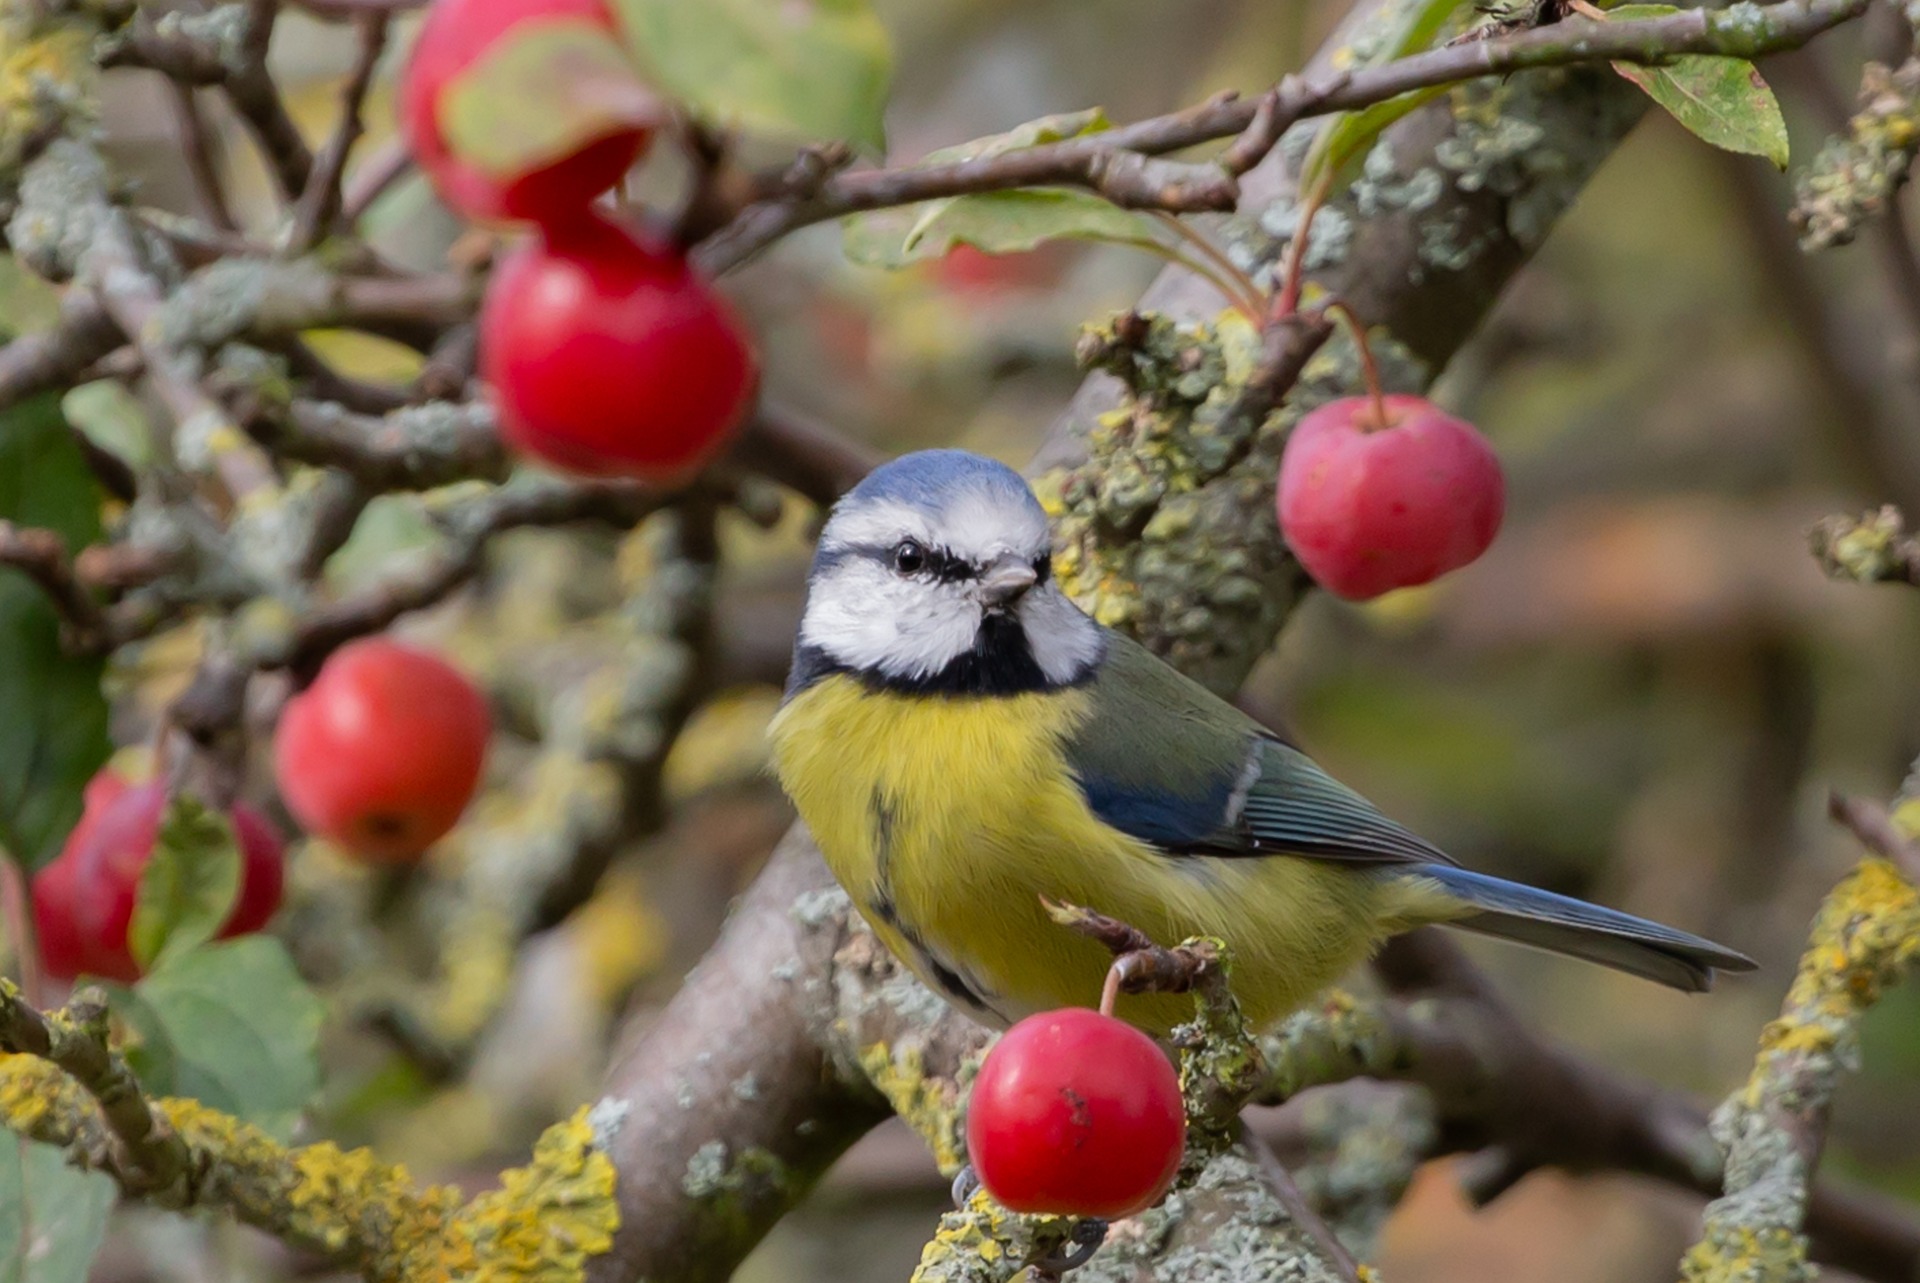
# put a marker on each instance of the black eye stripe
(936, 563)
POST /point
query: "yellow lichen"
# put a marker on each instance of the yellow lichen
(929, 1104)
(985, 1243)
(1865, 936)
(43, 77)
(37, 1100)
(1746, 1255)
(540, 1226)
(546, 1219)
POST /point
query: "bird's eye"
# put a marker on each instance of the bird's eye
(909, 558)
(1043, 567)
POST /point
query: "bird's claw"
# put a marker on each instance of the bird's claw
(1084, 1240)
(965, 1184)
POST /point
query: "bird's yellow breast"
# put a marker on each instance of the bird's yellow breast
(948, 818)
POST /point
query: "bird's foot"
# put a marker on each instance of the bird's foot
(1081, 1244)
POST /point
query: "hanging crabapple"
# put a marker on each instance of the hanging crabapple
(382, 753)
(83, 899)
(1076, 1114)
(1386, 492)
(455, 34)
(608, 356)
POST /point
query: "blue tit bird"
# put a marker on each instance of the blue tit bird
(962, 741)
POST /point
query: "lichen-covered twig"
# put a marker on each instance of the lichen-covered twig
(1858, 173)
(1873, 548)
(146, 1156)
(320, 199)
(62, 1084)
(1865, 937)
(1118, 162)
(53, 358)
(317, 634)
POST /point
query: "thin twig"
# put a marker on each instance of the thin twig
(75, 1039)
(806, 457)
(196, 146)
(374, 176)
(53, 358)
(1875, 828)
(320, 201)
(42, 556)
(1081, 161)
(1287, 1192)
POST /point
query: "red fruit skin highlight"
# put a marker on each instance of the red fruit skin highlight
(455, 34)
(83, 900)
(1370, 511)
(1076, 1114)
(383, 752)
(612, 358)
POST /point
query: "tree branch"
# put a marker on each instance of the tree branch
(1865, 938)
(320, 200)
(1869, 549)
(55, 358)
(42, 556)
(1114, 156)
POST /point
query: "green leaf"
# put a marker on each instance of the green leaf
(53, 718)
(1722, 101)
(814, 68)
(112, 419)
(1350, 136)
(998, 222)
(52, 1216)
(188, 887)
(546, 91)
(231, 1025)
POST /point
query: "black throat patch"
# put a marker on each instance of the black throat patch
(1000, 663)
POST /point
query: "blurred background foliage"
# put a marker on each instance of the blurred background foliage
(1641, 695)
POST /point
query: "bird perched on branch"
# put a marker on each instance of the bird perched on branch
(962, 741)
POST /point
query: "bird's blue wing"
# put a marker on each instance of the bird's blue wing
(1165, 761)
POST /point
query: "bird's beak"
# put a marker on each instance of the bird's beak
(1004, 581)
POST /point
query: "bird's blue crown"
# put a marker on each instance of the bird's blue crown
(931, 479)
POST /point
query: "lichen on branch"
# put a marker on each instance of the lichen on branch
(1864, 939)
(63, 1085)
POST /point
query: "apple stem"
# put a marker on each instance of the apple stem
(1110, 991)
(1248, 297)
(1368, 368)
(1293, 269)
(1206, 271)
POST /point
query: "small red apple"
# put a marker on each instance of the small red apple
(382, 753)
(456, 33)
(1371, 502)
(83, 899)
(1075, 1113)
(608, 356)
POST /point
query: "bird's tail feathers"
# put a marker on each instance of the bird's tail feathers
(1561, 924)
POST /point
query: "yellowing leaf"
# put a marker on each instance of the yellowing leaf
(541, 93)
(814, 68)
(1722, 101)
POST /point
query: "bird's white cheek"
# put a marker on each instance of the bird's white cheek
(1065, 643)
(869, 619)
